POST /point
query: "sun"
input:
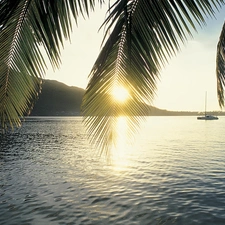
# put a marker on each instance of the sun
(120, 93)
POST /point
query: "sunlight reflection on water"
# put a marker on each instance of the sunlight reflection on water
(122, 148)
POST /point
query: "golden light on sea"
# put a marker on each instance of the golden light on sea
(122, 147)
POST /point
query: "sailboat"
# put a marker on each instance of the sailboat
(207, 116)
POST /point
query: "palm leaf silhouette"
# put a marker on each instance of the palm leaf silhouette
(220, 67)
(145, 34)
(30, 30)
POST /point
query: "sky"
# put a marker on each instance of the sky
(183, 81)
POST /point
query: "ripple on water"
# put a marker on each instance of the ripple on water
(51, 175)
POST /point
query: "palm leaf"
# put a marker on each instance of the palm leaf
(145, 34)
(30, 30)
(220, 67)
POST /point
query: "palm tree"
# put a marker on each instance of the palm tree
(140, 37)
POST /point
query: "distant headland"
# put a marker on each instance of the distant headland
(59, 99)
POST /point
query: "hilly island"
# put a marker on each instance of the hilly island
(58, 99)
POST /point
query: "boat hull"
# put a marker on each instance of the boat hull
(207, 117)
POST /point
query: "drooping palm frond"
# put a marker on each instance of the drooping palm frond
(144, 35)
(220, 67)
(30, 29)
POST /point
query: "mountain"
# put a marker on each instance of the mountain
(58, 99)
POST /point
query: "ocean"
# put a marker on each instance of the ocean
(171, 172)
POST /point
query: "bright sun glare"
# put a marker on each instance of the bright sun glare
(120, 93)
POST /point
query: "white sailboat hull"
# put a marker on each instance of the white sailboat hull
(207, 117)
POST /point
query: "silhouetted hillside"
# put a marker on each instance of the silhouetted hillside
(58, 99)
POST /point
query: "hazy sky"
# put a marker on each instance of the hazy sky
(184, 80)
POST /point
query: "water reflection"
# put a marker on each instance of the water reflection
(122, 147)
(168, 175)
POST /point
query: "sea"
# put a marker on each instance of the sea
(171, 171)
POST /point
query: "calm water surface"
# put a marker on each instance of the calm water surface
(173, 173)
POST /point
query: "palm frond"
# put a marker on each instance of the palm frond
(30, 29)
(220, 67)
(145, 34)
(18, 59)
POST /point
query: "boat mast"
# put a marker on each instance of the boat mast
(205, 101)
